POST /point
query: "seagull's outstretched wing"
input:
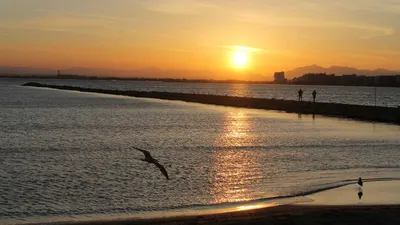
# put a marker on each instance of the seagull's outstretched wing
(146, 153)
(162, 169)
(150, 159)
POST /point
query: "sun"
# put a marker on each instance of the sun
(240, 59)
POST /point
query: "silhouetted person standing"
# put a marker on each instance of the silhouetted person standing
(314, 95)
(360, 182)
(300, 92)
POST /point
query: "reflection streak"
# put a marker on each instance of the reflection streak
(234, 170)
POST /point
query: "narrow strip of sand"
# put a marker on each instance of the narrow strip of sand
(361, 112)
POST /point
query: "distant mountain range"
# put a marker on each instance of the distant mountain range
(338, 70)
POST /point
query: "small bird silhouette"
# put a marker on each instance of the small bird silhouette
(148, 158)
(360, 182)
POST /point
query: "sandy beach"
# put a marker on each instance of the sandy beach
(294, 214)
(335, 206)
(289, 214)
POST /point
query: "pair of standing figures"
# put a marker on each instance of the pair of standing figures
(300, 92)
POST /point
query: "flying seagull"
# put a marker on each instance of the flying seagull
(148, 158)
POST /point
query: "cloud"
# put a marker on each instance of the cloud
(370, 30)
(89, 24)
(172, 49)
(177, 6)
(244, 48)
(381, 6)
(59, 23)
(34, 28)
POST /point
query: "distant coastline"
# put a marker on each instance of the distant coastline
(307, 79)
(81, 77)
(360, 112)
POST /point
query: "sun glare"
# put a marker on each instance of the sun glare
(240, 59)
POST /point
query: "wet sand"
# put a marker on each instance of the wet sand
(294, 214)
(335, 206)
(289, 214)
(360, 112)
(371, 193)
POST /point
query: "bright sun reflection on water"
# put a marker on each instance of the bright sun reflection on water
(236, 130)
(233, 169)
(258, 206)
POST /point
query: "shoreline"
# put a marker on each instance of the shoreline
(288, 214)
(285, 214)
(381, 205)
(358, 112)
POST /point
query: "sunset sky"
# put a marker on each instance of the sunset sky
(201, 37)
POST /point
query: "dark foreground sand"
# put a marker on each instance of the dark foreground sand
(289, 214)
(380, 204)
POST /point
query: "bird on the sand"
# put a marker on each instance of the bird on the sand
(148, 158)
(360, 182)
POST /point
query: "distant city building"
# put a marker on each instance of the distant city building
(279, 77)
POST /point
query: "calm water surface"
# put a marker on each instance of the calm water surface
(385, 96)
(67, 154)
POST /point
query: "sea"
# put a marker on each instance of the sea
(68, 154)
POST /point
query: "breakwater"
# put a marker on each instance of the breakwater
(371, 113)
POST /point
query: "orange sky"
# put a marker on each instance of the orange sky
(195, 35)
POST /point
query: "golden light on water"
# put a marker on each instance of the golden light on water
(237, 128)
(234, 169)
(258, 206)
(248, 207)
